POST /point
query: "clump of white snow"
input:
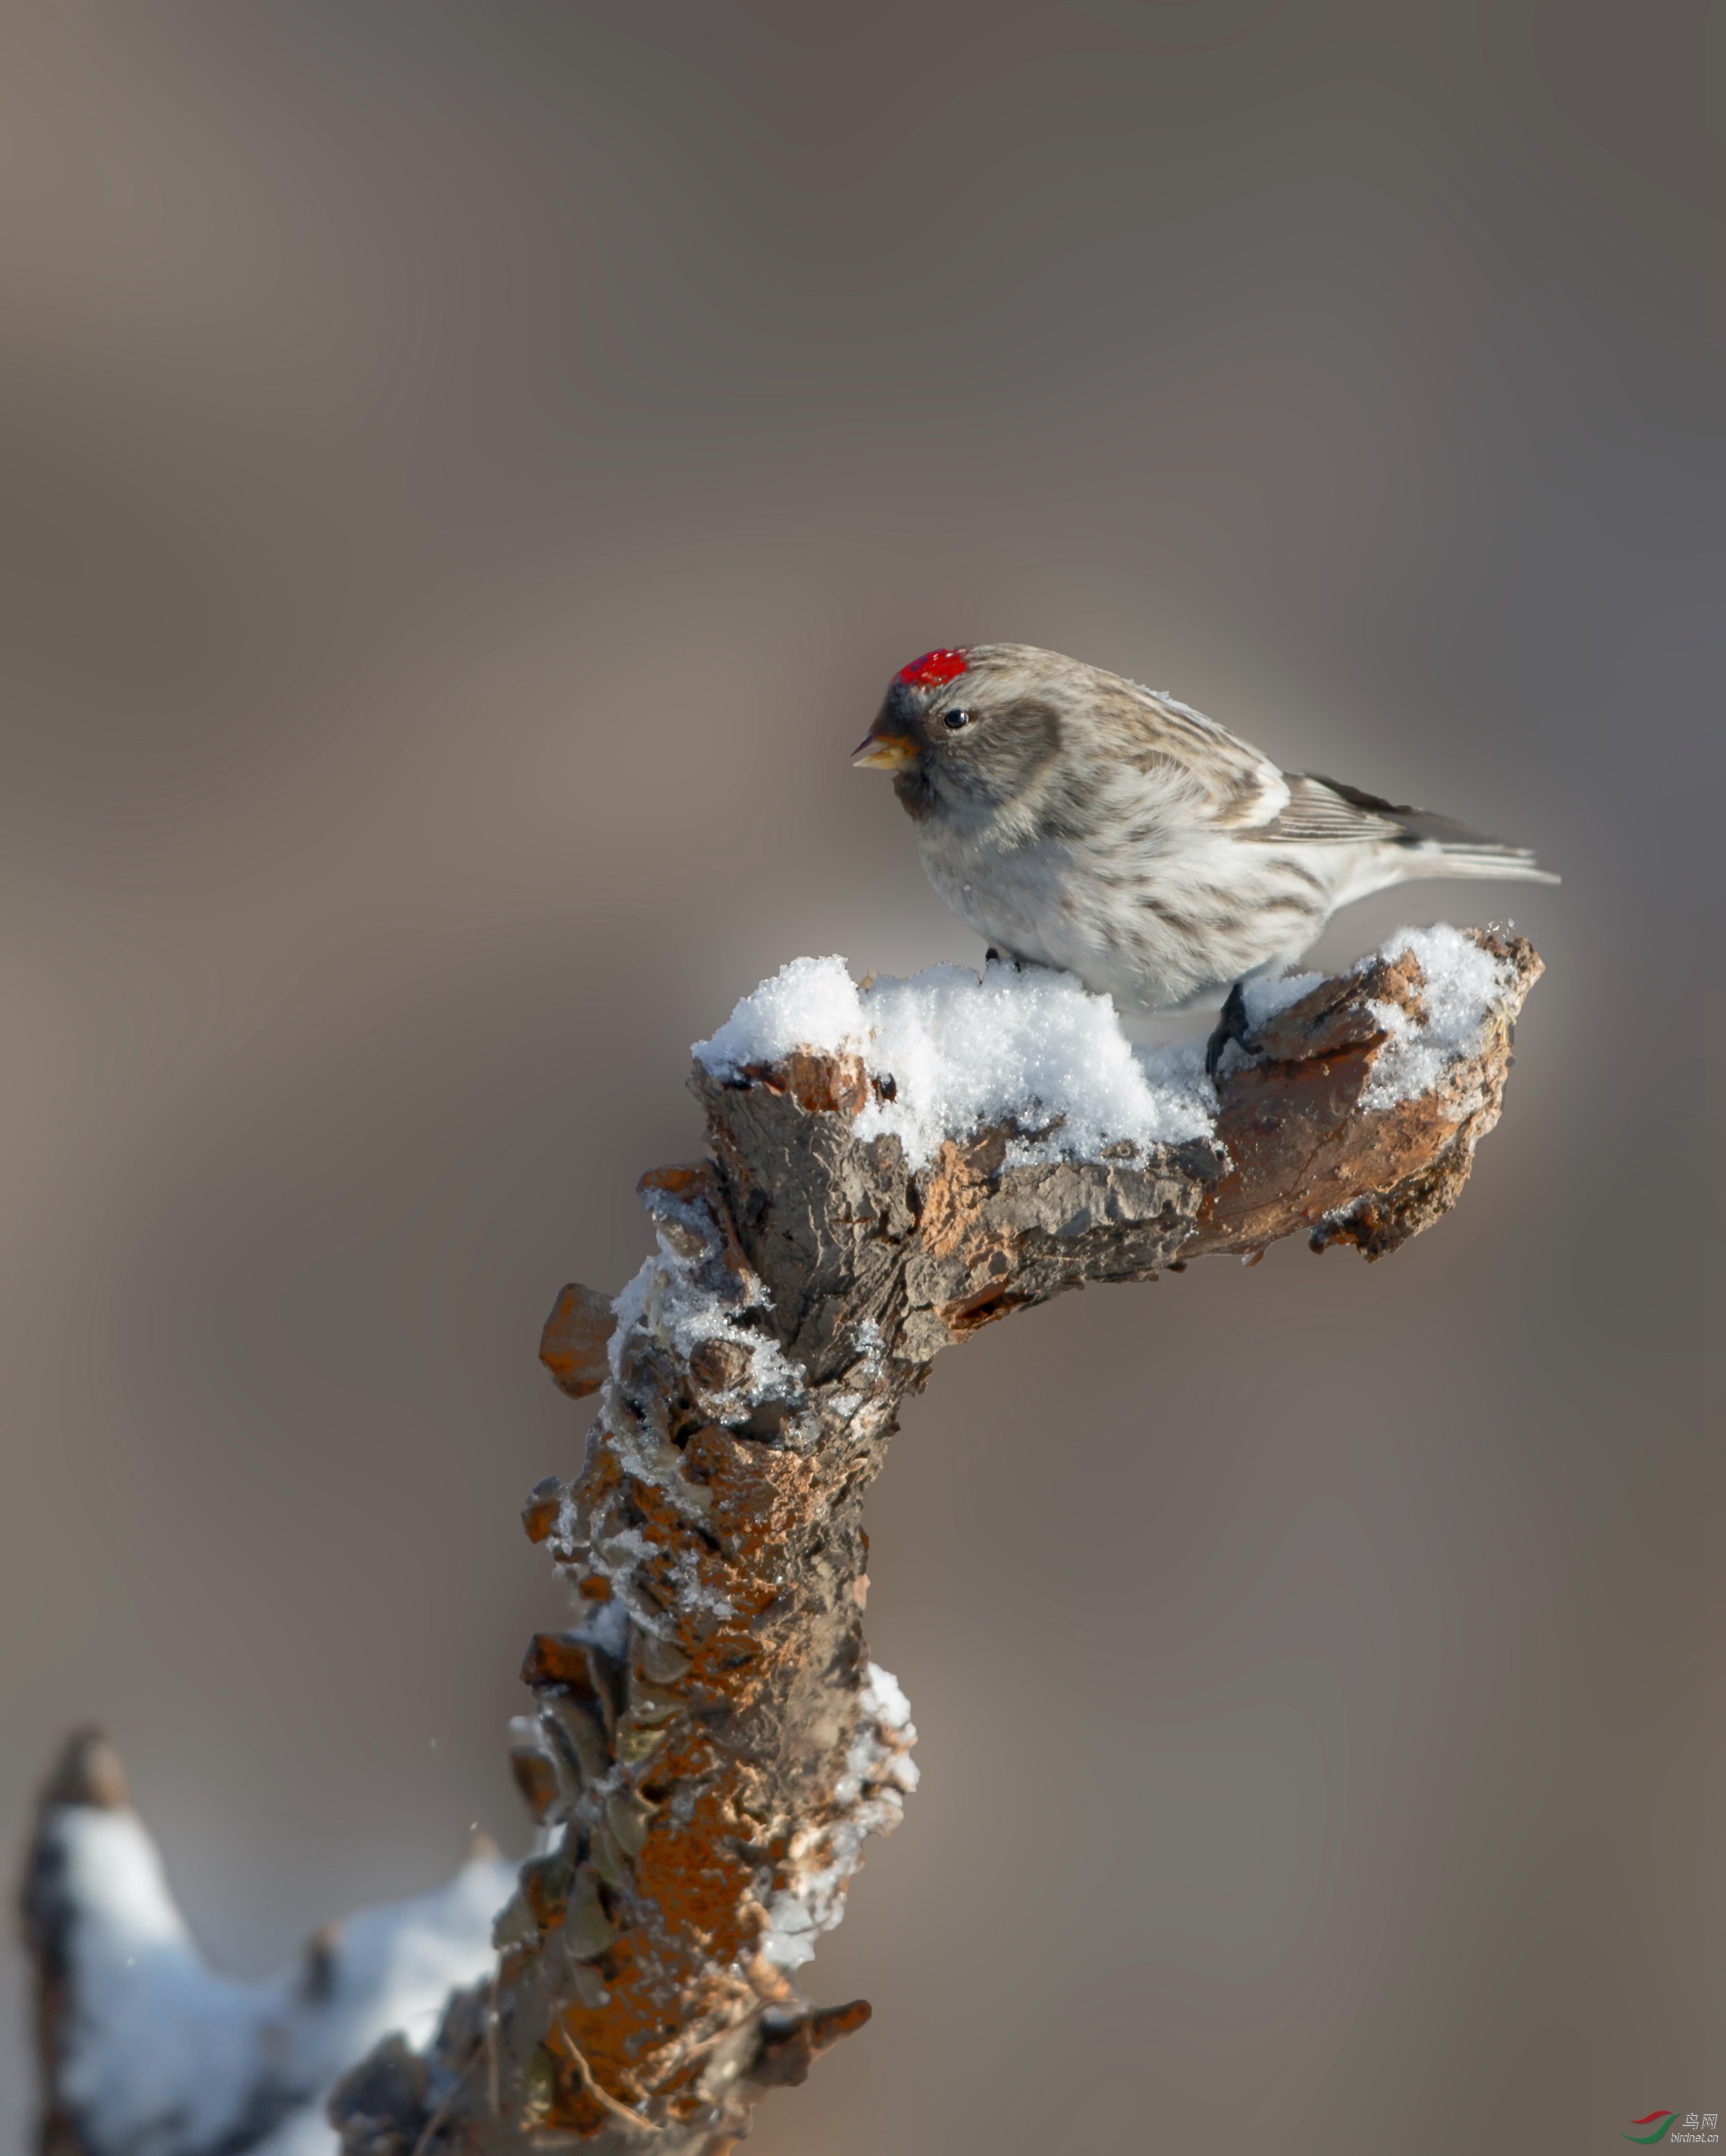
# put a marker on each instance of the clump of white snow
(1464, 985)
(1266, 995)
(812, 1002)
(950, 1052)
(157, 2035)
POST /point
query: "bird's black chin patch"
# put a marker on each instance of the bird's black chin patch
(915, 792)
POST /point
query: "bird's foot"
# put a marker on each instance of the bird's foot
(991, 957)
(1231, 1025)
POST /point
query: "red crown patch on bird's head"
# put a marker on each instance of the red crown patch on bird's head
(932, 668)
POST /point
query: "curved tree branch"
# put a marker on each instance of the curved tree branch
(710, 1746)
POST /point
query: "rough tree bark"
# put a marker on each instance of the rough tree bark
(711, 1745)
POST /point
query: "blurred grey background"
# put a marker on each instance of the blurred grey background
(468, 473)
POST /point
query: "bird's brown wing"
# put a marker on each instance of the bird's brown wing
(1324, 812)
(1239, 787)
(1327, 812)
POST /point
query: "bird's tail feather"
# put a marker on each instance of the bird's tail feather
(1411, 843)
(1473, 857)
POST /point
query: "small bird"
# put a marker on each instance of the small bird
(1078, 820)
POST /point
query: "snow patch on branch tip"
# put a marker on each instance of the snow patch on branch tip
(949, 1052)
(156, 2041)
(1465, 985)
(870, 1796)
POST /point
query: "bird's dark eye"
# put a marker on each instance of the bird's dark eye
(955, 721)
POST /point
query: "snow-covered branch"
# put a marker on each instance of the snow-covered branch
(890, 1168)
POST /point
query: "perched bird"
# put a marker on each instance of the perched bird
(1077, 820)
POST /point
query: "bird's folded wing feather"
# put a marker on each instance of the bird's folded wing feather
(1322, 812)
(1238, 785)
(1327, 812)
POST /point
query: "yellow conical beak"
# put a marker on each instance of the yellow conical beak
(886, 747)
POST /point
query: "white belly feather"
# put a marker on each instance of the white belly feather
(1158, 929)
